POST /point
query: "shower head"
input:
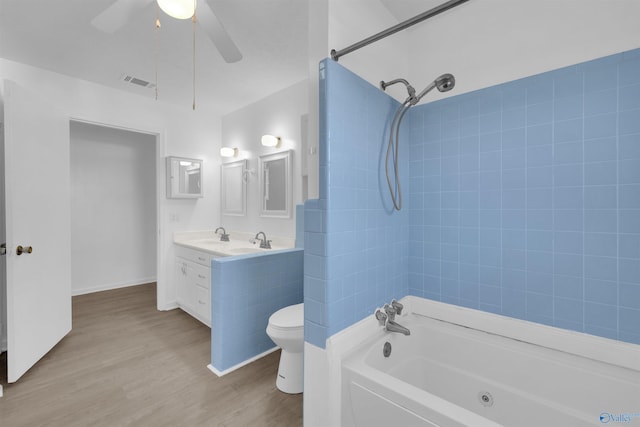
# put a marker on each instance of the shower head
(410, 89)
(444, 83)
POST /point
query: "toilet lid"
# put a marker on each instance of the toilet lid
(288, 317)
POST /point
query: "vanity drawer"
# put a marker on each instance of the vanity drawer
(202, 303)
(201, 275)
(194, 256)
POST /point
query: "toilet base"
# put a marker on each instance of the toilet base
(290, 372)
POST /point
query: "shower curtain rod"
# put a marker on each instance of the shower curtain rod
(398, 27)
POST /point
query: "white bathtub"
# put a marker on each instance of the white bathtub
(444, 374)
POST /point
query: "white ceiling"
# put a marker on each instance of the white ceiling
(271, 34)
(58, 36)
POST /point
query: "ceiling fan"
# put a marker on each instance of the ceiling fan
(118, 14)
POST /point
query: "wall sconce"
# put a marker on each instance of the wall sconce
(228, 152)
(271, 141)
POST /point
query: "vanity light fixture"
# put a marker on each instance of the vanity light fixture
(228, 152)
(271, 141)
(179, 9)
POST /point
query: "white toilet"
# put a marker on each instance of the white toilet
(286, 329)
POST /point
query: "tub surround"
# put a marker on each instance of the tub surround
(522, 199)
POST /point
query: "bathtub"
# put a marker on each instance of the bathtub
(447, 374)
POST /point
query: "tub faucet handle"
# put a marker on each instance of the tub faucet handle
(391, 311)
(397, 306)
(382, 318)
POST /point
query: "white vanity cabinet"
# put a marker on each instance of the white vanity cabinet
(193, 280)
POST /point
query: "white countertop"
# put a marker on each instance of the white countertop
(208, 241)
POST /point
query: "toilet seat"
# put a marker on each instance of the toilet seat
(288, 318)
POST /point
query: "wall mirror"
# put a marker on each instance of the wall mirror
(184, 178)
(234, 188)
(275, 184)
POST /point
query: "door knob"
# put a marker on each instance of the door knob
(20, 249)
(3, 249)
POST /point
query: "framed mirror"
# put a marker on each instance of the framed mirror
(233, 187)
(275, 185)
(184, 178)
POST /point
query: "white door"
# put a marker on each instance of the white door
(37, 206)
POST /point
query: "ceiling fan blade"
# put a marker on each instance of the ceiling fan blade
(218, 35)
(118, 14)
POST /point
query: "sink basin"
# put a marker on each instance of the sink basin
(210, 242)
(244, 250)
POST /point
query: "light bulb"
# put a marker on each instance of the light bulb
(228, 152)
(270, 140)
(179, 9)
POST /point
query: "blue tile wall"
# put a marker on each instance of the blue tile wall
(524, 198)
(300, 226)
(356, 250)
(245, 291)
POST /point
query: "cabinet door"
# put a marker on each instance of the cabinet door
(180, 281)
(193, 281)
(190, 285)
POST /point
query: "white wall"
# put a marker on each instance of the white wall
(113, 208)
(487, 42)
(354, 20)
(278, 114)
(181, 132)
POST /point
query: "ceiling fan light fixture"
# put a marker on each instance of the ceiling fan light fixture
(179, 9)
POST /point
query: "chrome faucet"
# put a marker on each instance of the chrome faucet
(224, 237)
(387, 318)
(264, 243)
(392, 326)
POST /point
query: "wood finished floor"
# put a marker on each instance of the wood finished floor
(127, 364)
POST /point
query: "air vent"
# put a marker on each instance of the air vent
(136, 81)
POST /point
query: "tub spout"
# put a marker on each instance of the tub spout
(392, 326)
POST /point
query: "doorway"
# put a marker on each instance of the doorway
(114, 203)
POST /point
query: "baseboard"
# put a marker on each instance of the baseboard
(111, 286)
(241, 364)
(169, 306)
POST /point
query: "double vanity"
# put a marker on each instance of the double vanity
(194, 253)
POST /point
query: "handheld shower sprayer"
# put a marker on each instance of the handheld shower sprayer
(444, 83)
